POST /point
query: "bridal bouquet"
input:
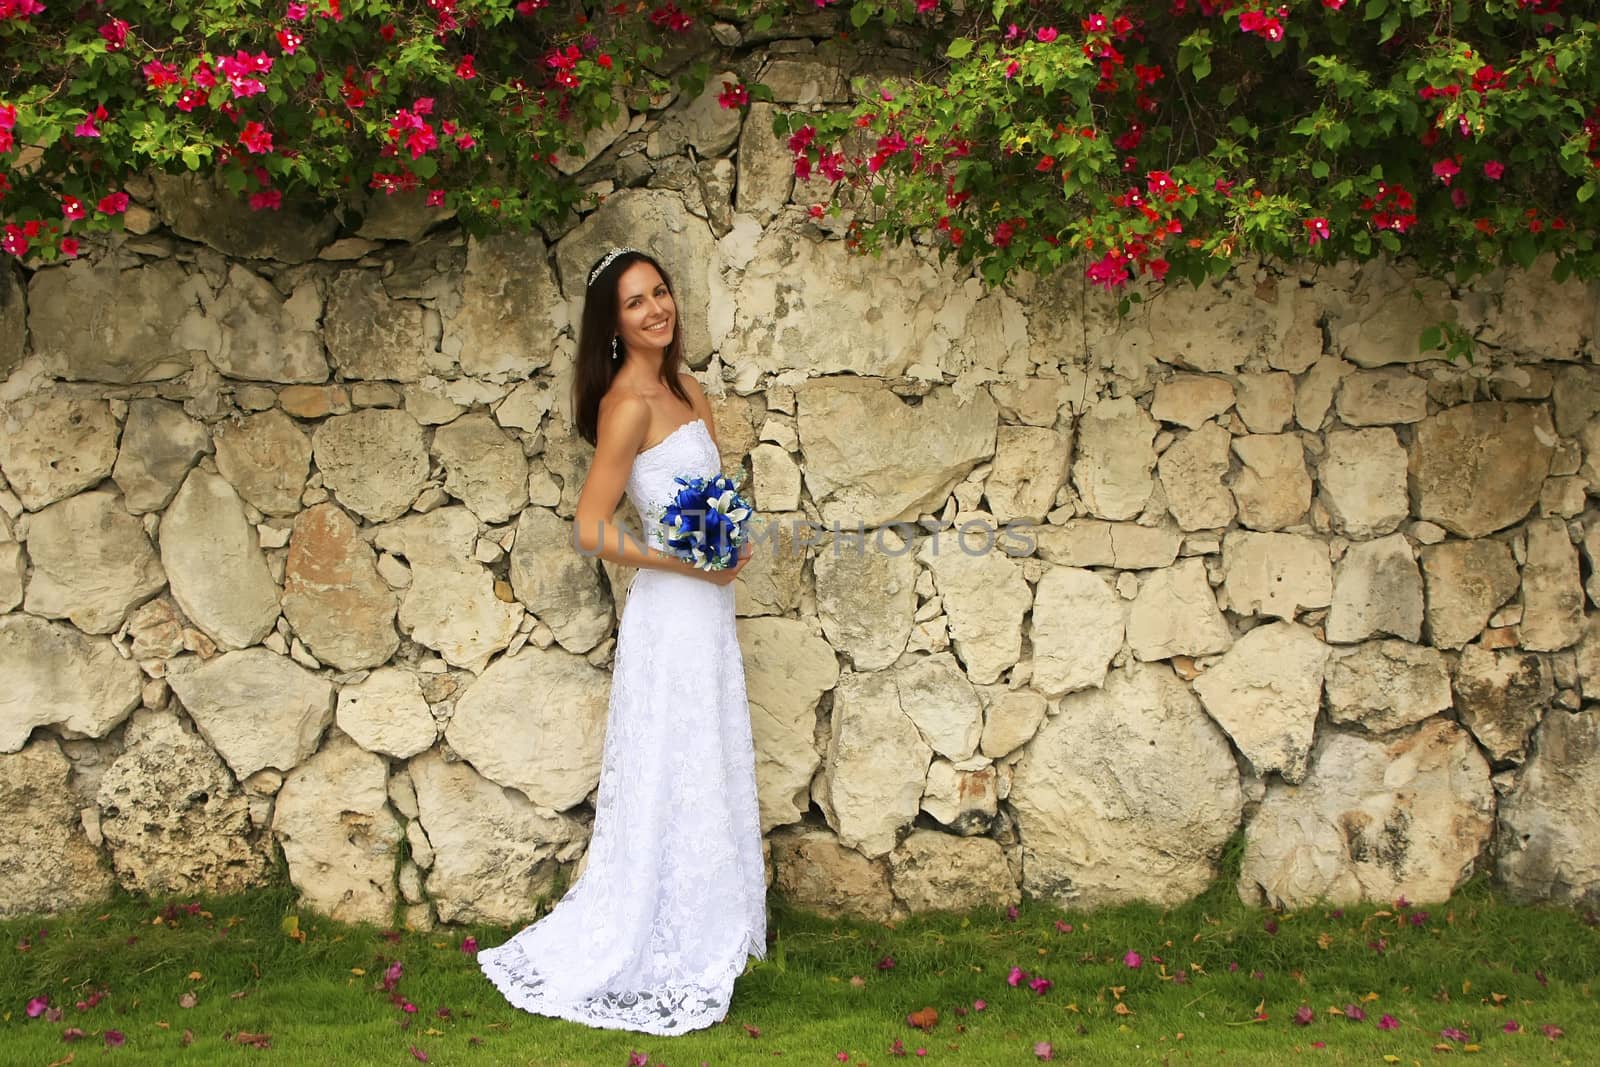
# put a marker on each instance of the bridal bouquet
(707, 521)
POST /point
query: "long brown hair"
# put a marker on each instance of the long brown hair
(595, 368)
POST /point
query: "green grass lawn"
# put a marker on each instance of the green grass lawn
(221, 981)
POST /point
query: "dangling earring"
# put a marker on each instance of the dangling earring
(616, 351)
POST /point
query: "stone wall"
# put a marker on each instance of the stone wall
(285, 563)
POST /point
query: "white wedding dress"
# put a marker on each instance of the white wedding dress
(671, 900)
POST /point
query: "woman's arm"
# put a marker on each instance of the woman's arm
(622, 428)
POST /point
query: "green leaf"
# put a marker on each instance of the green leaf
(861, 13)
(191, 157)
(1432, 337)
(1524, 250)
(959, 48)
(1320, 170)
(425, 166)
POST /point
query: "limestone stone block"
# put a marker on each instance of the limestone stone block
(1275, 574)
(787, 669)
(343, 866)
(174, 818)
(1265, 692)
(535, 721)
(1478, 468)
(931, 871)
(1383, 686)
(1375, 819)
(53, 445)
(57, 676)
(1546, 844)
(1192, 474)
(333, 595)
(266, 458)
(1501, 697)
(1128, 793)
(1115, 457)
(92, 562)
(1176, 613)
(1467, 582)
(1376, 590)
(213, 560)
(256, 708)
(1362, 477)
(373, 461)
(47, 865)
(1076, 630)
(1272, 490)
(159, 444)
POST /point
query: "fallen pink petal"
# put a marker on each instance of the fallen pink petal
(114, 1038)
(1388, 1022)
(1016, 977)
(1044, 1051)
(1552, 1031)
(37, 1006)
(1132, 960)
(1304, 1016)
(1512, 1027)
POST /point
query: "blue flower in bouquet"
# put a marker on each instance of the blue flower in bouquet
(707, 521)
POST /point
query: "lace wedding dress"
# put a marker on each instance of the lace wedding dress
(671, 900)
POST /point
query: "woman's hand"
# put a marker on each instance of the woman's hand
(728, 574)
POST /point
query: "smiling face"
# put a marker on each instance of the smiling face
(646, 314)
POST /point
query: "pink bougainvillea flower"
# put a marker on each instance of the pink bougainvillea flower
(1063, 927)
(733, 95)
(1047, 34)
(1044, 1051)
(20, 9)
(115, 33)
(159, 75)
(256, 138)
(90, 127)
(528, 7)
(1333, 5)
(1354, 1013)
(842, 1056)
(1011, 914)
(886, 964)
(1016, 977)
(8, 117)
(1446, 170)
(1450, 1033)
(1512, 1027)
(1458, 197)
(288, 40)
(1552, 1031)
(72, 208)
(1317, 230)
(639, 1059)
(408, 1007)
(1388, 1022)
(1040, 985)
(114, 204)
(467, 68)
(1304, 1016)
(114, 1038)
(1494, 170)
(1133, 960)
(37, 1006)
(1012, 68)
(925, 6)
(979, 1005)
(295, 12)
(266, 200)
(69, 248)
(190, 99)
(71, 1033)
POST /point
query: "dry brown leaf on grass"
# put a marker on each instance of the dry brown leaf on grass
(924, 1020)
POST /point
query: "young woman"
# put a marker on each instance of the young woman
(671, 901)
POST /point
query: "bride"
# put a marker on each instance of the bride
(671, 900)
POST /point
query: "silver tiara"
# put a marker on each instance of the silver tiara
(610, 257)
